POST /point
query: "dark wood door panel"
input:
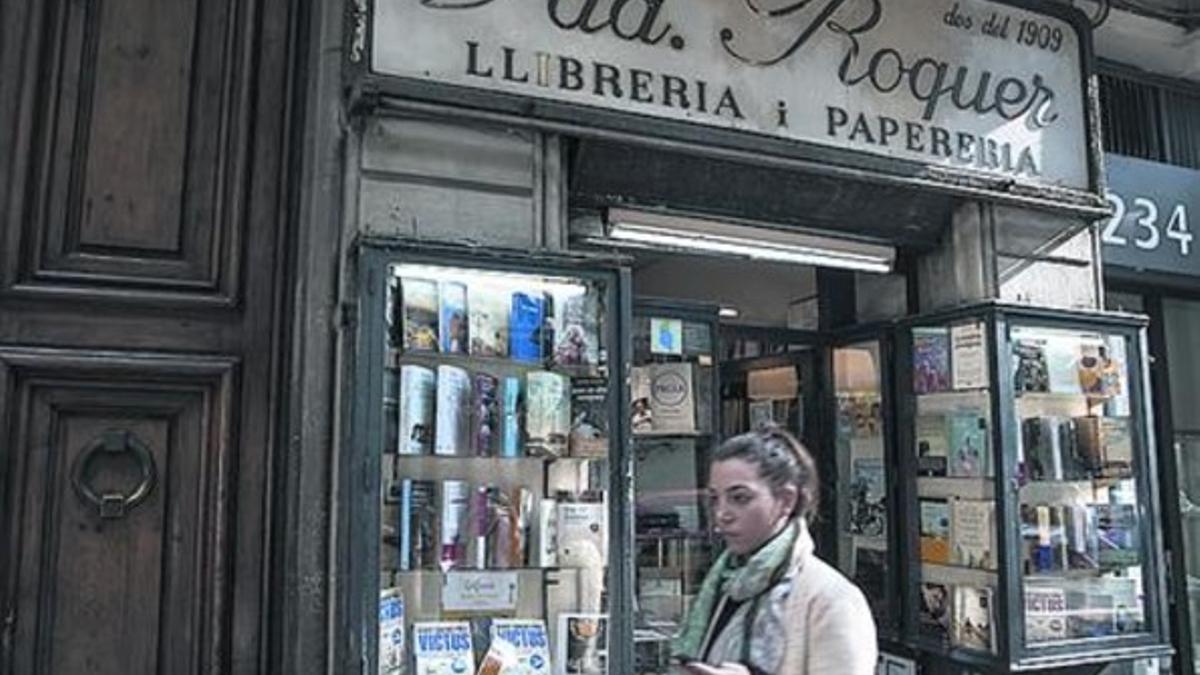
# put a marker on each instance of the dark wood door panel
(138, 146)
(92, 587)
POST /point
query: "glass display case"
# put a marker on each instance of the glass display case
(1032, 486)
(487, 458)
(673, 423)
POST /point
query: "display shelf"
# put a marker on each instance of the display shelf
(958, 575)
(489, 364)
(948, 487)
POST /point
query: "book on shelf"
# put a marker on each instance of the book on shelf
(419, 314)
(1105, 445)
(972, 618)
(493, 543)
(1101, 374)
(931, 360)
(511, 442)
(453, 327)
(933, 445)
(546, 533)
(576, 331)
(547, 413)
(934, 530)
(392, 657)
(589, 417)
(582, 644)
(419, 514)
(641, 420)
(1118, 536)
(582, 531)
(867, 498)
(973, 533)
(489, 310)
(486, 433)
(1030, 370)
(934, 610)
(1044, 538)
(1062, 362)
(443, 647)
(454, 524)
(968, 444)
(529, 643)
(968, 356)
(453, 411)
(391, 409)
(525, 326)
(1045, 614)
(418, 386)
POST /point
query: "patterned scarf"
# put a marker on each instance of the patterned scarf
(740, 578)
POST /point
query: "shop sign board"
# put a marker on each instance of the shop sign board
(976, 85)
(1150, 228)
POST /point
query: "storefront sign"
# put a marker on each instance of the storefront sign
(1150, 228)
(971, 84)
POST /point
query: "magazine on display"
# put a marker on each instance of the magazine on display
(417, 389)
(489, 310)
(968, 434)
(931, 360)
(973, 533)
(1062, 362)
(392, 656)
(419, 314)
(589, 417)
(453, 329)
(582, 644)
(972, 619)
(1031, 372)
(867, 494)
(1045, 614)
(933, 445)
(528, 313)
(547, 413)
(935, 530)
(453, 412)
(442, 648)
(530, 646)
(969, 356)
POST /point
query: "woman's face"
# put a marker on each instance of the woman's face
(745, 511)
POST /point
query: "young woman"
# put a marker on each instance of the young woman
(769, 606)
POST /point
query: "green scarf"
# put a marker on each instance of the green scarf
(741, 579)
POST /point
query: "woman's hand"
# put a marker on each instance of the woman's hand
(697, 668)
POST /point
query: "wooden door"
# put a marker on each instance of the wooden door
(143, 175)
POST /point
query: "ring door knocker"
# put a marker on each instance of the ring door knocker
(113, 443)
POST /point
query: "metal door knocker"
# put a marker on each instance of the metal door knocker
(110, 505)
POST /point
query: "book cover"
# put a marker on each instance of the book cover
(1062, 363)
(576, 331)
(1082, 536)
(935, 530)
(417, 387)
(527, 314)
(1031, 372)
(419, 516)
(1051, 447)
(973, 533)
(582, 644)
(547, 413)
(391, 410)
(933, 445)
(443, 648)
(641, 417)
(454, 526)
(488, 326)
(512, 443)
(968, 433)
(672, 400)
(486, 433)
(419, 314)
(453, 329)
(546, 534)
(867, 494)
(496, 538)
(933, 611)
(582, 529)
(931, 360)
(1117, 532)
(972, 624)
(589, 417)
(530, 644)
(968, 347)
(392, 657)
(866, 415)
(1043, 538)
(452, 431)
(1045, 614)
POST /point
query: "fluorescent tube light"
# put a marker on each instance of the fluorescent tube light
(651, 230)
(728, 312)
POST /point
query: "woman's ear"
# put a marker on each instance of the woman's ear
(788, 497)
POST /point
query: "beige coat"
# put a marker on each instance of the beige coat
(831, 628)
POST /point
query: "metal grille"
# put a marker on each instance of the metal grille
(1130, 117)
(1182, 121)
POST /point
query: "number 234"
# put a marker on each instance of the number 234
(1145, 215)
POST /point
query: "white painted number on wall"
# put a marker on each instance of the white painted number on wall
(1145, 215)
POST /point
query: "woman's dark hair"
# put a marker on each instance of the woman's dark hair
(781, 459)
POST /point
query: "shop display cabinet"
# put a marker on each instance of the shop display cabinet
(485, 421)
(1027, 452)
